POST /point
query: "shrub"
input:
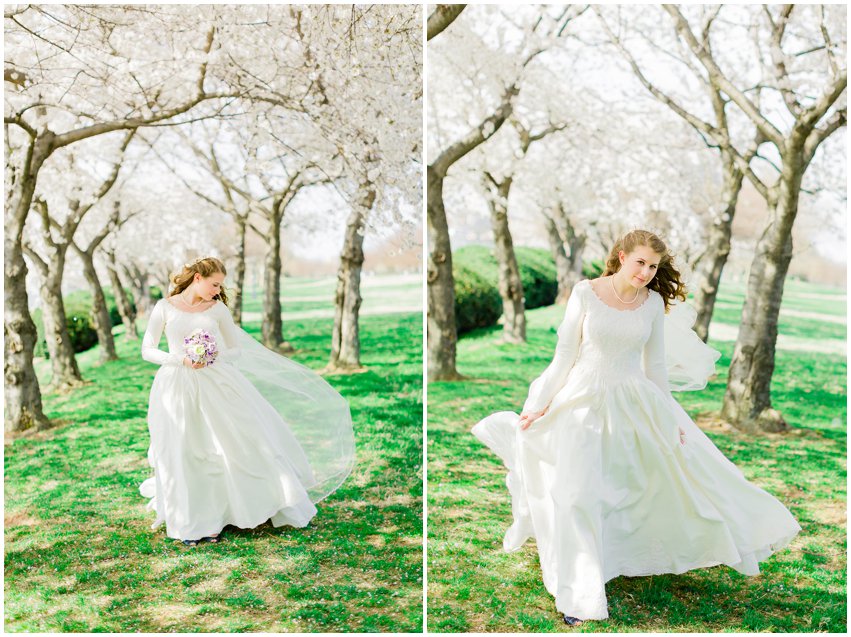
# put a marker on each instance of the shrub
(80, 328)
(477, 300)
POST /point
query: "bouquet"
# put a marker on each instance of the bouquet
(200, 347)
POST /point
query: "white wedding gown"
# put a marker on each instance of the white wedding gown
(602, 482)
(220, 452)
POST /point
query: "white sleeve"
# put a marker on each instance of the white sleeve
(151, 341)
(653, 359)
(547, 385)
(229, 350)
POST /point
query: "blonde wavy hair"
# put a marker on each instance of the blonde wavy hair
(667, 280)
(205, 266)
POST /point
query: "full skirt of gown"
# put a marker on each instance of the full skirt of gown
(602, 481)
(220, 456)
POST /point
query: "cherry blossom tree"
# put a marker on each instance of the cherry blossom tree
(497, 53)
(55, 235)
(360, 90)
(799, 50)
(77, 73)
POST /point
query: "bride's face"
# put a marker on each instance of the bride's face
(208, 287)
(639, 266)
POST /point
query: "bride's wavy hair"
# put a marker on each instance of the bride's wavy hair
(667, 280)
(205, 266)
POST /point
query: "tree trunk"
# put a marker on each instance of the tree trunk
(718, 250)
(560, 258)
(100, 312)
(125, 310)
(63, 361)
(442, 334)
(272, 328)
(576, 245)
(509, 282)
(239, 275)
(23, 409)
(345, 339)
(561, 233)
(747, 401)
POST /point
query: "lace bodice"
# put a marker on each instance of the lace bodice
(605, 343)
(178, 324)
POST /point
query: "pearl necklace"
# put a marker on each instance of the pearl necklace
(188, 304)
(612, 281)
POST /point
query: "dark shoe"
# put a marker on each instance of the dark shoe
(191, 542)
(571, 621)
(212, 539)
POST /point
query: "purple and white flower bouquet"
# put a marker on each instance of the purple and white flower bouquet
(200, 347)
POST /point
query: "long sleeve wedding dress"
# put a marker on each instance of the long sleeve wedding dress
(224, 445)
(602, 482)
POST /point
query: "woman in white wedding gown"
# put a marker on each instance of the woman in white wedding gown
(250, 437)
(606, 471)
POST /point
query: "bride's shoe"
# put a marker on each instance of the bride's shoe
(212, 539)
(572, 621)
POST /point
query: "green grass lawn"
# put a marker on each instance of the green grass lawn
(81, 557)
(379, 292)
(474, 586)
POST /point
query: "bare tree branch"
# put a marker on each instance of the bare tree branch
(719, 79)
(442, 16)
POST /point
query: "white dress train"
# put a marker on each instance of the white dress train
(602, 482)
(221, 453)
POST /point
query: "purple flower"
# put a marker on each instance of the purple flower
(200, 346)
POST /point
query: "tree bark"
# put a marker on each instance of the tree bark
(560, 258)
(576, 246)
(717, 251)
(747, 400)
(63, 361)
(442, 16)
(509, 282)
(442, 333)
(22, 393)
(125, 310)
(100, 312)
(561, 233)
(345, 340)
(239, 274)
(272, 328)
(140, 288)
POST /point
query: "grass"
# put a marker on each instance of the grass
(306, 295)
(81, 557)
(474, 586)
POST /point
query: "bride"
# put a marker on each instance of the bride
(239, 434)
(606, 471)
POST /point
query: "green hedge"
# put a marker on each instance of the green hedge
(477, 300)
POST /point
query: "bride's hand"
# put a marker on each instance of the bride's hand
(188, 363)
(526, 420)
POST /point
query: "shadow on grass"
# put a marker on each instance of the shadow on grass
(80, 554)
(475, 586)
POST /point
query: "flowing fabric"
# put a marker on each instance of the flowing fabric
(602, 482)
(690, 362)
(252, 437)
